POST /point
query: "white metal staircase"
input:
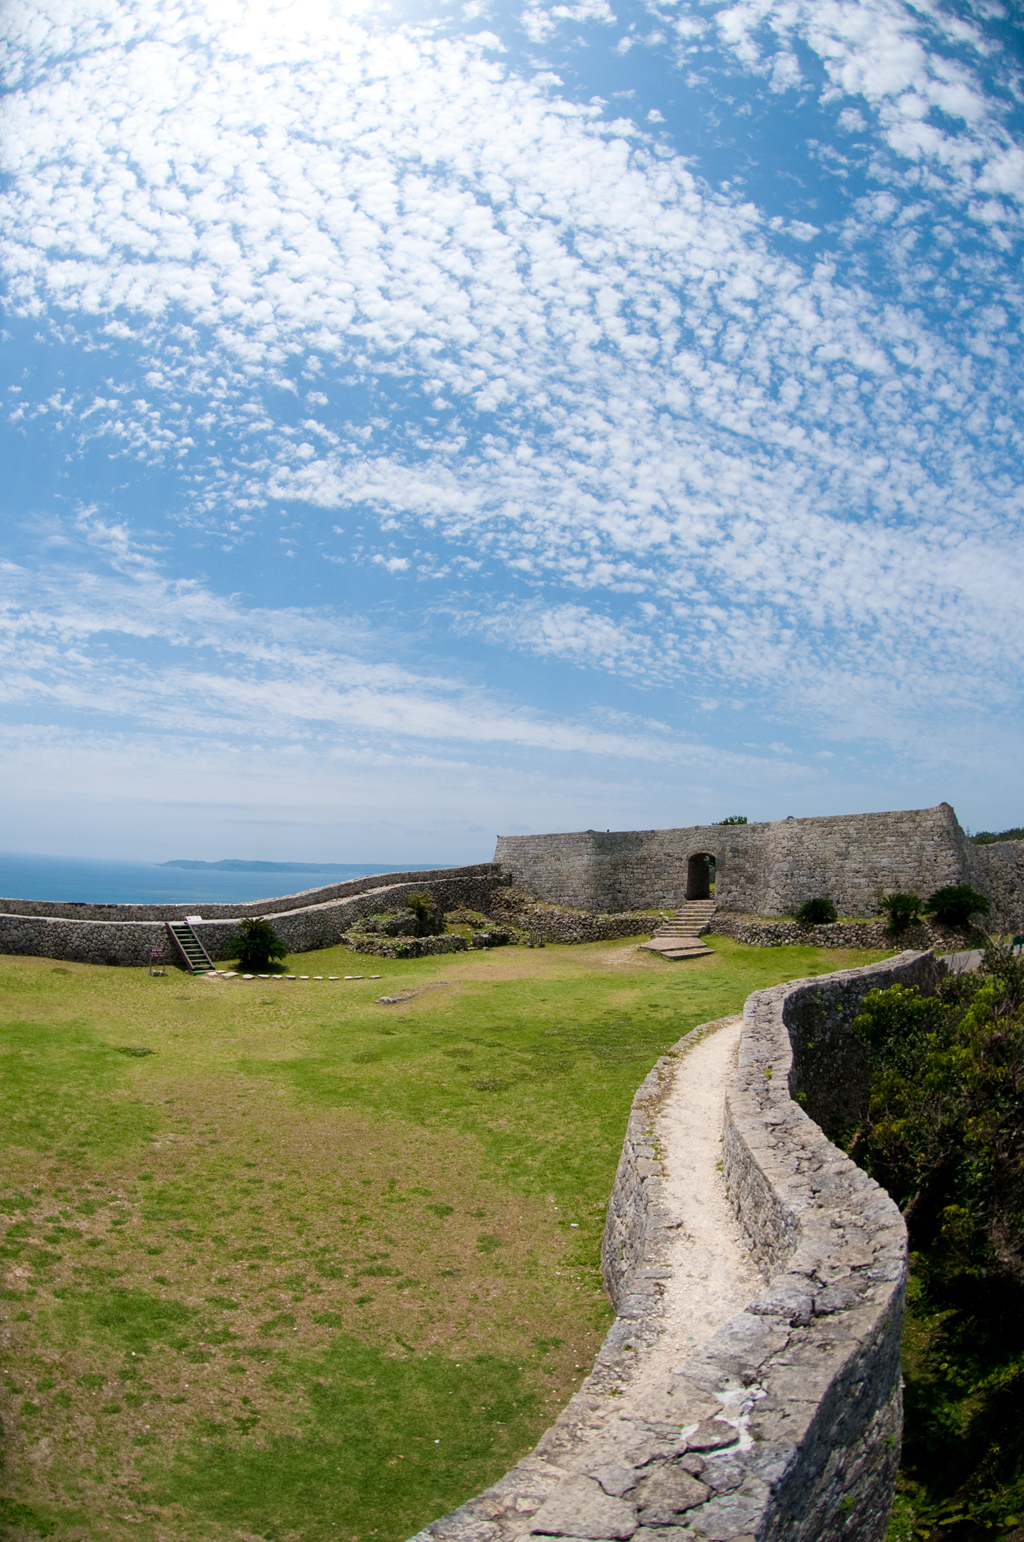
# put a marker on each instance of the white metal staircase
(190, 950)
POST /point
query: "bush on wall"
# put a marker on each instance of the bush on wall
(956, 903)
(817, 912)
(429, 920)
(903, 910)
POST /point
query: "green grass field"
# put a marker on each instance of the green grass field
(284, 1263)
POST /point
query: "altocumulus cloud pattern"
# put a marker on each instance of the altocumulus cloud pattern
(428, 420)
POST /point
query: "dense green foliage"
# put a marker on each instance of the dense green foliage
(734, 819)
(956, 904)
(989, 838)
(944, 1133)
(817, 912)
(903, 910)
(260, 945)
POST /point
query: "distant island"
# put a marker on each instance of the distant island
(230, 865)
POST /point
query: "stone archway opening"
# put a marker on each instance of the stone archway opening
(700, 869)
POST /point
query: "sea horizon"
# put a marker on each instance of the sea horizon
(105, 881)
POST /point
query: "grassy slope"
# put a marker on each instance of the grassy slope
(315, 1267)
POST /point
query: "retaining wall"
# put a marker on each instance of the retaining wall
(785, 1426)
(302, 927)
(764, 869)
(759, 933)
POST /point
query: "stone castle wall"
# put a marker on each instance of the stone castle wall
(763, 869)
(301, 927)
(807, 1376)
(998, 871)
(72, 910)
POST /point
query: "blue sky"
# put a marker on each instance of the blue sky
(430, 420)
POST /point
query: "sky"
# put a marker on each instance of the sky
(433, 420)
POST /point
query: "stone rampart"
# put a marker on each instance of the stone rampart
(72, 910)
(998, 871)
(764, 869)
(301, 927)
(785, 1425)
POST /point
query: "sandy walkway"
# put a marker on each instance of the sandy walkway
(713, 1275)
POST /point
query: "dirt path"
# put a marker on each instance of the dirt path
(713, 1276)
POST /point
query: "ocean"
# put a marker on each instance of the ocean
(92, 880)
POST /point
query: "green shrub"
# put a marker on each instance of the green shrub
(989, 837)
(956, 903)
(903, 910)
(734, 819)
(817, 912)
(260, 944)
(944, 1134)
(429, 920)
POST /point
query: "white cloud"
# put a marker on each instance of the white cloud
(130, 644)
(921, 68)
(641, 394)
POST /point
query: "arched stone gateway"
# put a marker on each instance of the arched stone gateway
(699, 868)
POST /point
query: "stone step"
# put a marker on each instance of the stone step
(676, 946)
(678, 953)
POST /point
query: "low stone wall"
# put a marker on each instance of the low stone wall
(785, 1426)
(759, 933)
(69, 910)
(550, 923)
(406, 947)
(302, 929)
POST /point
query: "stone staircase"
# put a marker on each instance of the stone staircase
(678, 937)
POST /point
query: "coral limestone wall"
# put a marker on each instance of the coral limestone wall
(998, 871)
(763, 869)
(785, 1425)
(317, 919)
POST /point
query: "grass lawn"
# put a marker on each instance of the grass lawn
(284, 1263)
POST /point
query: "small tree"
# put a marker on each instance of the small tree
(956, 903)
(903, 910)
(429, 919)
(734, 819)
(260, 944)
(817, 912)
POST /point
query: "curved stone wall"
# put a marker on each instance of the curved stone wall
(785, 1425)
(765, 869)
(319, 918)
(72, 910)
